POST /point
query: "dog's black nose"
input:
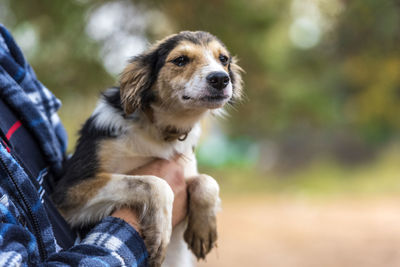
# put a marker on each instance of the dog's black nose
(218, 80)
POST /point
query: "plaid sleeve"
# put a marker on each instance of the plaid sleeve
(112, 242)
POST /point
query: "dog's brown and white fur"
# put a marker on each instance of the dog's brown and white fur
(155, 113)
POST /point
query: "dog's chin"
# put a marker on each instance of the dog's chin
(206, 102)
(213, 102)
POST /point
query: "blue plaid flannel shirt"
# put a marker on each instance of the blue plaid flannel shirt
(112, 242)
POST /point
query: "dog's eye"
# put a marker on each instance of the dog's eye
(224, 59)
(181, 61)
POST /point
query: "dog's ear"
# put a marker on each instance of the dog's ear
(135, 85)
(235, 73)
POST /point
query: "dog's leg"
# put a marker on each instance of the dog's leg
(149, 195)
(201, 232)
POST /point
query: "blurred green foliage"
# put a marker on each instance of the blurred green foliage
(323, 178)
(66, 60)
(313, 67)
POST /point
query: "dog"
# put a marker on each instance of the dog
(155, 112)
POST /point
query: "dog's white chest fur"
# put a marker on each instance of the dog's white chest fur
(135, 147)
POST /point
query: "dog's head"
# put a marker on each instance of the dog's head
(185, 71)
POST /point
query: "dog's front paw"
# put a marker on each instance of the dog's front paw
(156, 226)
(201, 232)
(156, 248)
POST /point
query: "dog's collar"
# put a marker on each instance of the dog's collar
(171, 133)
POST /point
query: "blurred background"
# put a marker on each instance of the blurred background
(309, 162)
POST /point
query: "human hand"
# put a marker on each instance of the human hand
(172, 172)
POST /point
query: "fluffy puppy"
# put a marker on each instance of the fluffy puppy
(154, 113)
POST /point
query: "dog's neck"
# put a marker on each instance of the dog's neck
(171, 126)
(170, 134)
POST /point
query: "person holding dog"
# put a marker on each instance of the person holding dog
(32, 152)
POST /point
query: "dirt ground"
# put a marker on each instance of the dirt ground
(288, 232)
